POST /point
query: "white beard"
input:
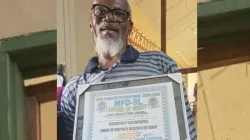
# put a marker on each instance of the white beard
(107, 48)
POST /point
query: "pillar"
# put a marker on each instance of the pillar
(75, 43)
(11, 100)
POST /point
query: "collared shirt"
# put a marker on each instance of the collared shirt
(132, 64)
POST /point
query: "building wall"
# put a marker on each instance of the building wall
(142, 23)
(19, 17)
(223, 103)
(75, 43)
(48, 121)
(192, 80)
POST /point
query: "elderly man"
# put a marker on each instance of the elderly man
(111, 24)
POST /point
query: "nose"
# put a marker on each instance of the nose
(109, 17)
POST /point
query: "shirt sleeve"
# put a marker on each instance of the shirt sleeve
(68, 106)
(169, 66)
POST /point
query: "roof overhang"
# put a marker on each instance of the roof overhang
(223, 22)
(35, 54)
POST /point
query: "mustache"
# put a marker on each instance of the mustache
(110, 26)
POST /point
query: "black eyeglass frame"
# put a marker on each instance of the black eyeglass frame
(112, 11)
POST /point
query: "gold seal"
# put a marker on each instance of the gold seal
(129, 135)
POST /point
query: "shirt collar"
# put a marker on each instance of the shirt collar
(130, 55)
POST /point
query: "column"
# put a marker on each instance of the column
(75, 43)
(11, 100)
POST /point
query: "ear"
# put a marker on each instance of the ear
(130, 27)
(91, 24)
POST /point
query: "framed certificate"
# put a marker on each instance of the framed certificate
(151, 108)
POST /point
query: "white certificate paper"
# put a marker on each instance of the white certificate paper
(134, 113)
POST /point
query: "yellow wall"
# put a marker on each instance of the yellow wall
(143, 24)
(192, 80)
(223, 103)
(48, 120)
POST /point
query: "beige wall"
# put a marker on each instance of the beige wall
(48, 121)
(20, 17)
(75, 43)
(223, 103)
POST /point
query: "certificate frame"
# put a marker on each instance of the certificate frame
(178, 125)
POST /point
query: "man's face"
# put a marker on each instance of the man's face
(110, 34)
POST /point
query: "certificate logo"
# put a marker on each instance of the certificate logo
(101, 107)
(153, 102)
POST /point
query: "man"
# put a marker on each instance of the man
(111, 24)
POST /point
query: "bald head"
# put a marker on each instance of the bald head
(124, 2)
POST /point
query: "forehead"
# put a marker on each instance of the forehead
(122, 4)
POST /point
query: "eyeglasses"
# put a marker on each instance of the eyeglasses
(101, 11)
